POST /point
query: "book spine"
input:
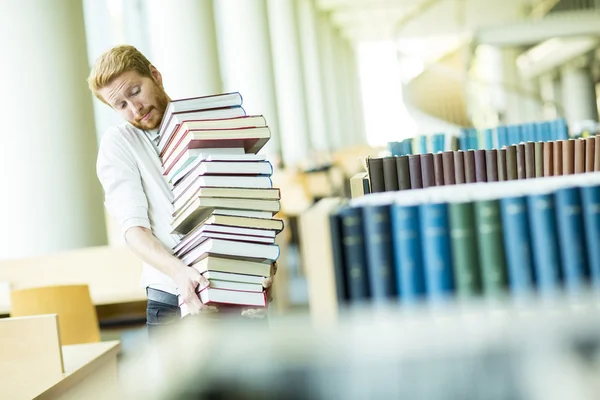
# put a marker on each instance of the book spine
(517, 244)
(597, 153)
(376, 175)
(459, 167)
(480, 167)
(380, 253)
(390, 174)
(337, 250)
(448, 167)
(416, 178)
(502, 174)
(568, 157)
(571, 239)
(354, 254)
(427, 172)
(548, 158)
(557, 150)
(491, 247)
(529, 160)
(590, 199)
(470, 166)
(579, 158)
(590, 151)
(539, 159)
(491, 165)
(465, 258)
(511, 163)
(521, 171)
(438, 169)
(544, 240)
(408, 261)
(437, 256)
(403, 172)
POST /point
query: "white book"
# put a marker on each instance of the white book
(231, 277)
(240, 286)
(232, 249)
(177, 173)
(196, 182)
(232, 230)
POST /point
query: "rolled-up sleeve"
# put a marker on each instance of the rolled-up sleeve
(124, 196)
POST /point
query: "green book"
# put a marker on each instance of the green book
(490, 242)
(463, 242)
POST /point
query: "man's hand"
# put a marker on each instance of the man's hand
(268, 285)
(189, 281)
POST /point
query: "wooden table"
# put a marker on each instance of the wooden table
(90, 373)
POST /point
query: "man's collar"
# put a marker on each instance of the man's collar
(152, 134)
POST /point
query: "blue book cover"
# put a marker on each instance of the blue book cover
(437, 257)
(502, 133)
(408, 261)
(355, 259)
(380, 252)
(488, 139)
(463, 140)
(513, 134)
(474, 139)
(407, 144)
(517, 245)
(538, 134)
(544, 240)
(395, 148)
(547, 133)
(423, 147)
(528, 132)
(590, 200)
(560, 129)
(571, 238)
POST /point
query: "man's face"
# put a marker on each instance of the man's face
(139, 100)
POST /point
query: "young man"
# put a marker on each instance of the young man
(136, 192)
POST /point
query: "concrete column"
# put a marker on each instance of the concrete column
(578, 92)
(548, 91)
(532, 105)
(328, 72)
(184, 47)
(247, 63)
(313, 81)
(356, 102)
(511, 87)
(289, 79)
(51, 199)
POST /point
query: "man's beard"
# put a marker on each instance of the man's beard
(162, 100)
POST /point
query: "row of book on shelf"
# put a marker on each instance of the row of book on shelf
(520, 161)
(501, 240)
(485, 139)
(224, 201)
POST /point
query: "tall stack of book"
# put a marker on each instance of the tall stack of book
(224, 200)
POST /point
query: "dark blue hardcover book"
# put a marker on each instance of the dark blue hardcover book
(571, 237)
(502, 133)
(436, 251)
(544, 239)
(517, 245)
(408, 260)
(355, 260)
(380, 251)
(590, 200)
(488, 139)
(337, 248)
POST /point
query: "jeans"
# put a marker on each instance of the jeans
(159, 316)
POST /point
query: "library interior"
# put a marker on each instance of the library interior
(298, 199)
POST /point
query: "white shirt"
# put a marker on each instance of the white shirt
(136, 192)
